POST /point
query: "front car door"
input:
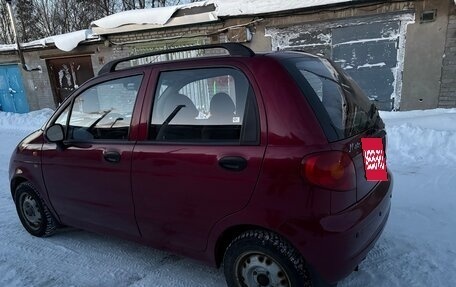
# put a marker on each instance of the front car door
(88, 179)
(202, 156)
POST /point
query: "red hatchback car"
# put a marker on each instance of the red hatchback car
(248, 160)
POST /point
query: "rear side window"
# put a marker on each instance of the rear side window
(341, 107)
(214, 105)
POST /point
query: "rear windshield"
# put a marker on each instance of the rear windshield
(342, 108)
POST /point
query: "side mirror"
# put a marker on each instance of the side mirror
(55, 133)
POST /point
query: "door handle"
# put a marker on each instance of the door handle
(233, 163)
(111, 156)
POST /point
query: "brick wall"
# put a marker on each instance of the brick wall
(166, 37)
(447, 97)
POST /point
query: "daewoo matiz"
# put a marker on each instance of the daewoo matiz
(250, 161)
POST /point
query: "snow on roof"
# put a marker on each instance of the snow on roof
(65, 42)
(157, 16)
(224, 8)
(253, 7)
(152, 18)
(8, 47)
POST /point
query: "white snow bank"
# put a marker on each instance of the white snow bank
(25, 122)
(437, 119)
(421, 137)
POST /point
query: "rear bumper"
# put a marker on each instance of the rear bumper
(344, 239)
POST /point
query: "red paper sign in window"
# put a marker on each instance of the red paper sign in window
(374, 159)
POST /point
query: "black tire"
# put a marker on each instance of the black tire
(261, 258)
(33, 212)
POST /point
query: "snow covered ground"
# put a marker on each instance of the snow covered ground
(418, 247)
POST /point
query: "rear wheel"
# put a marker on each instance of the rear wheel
(33, 212)
(263, 259)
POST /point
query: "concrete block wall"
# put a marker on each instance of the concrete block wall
(447, 97)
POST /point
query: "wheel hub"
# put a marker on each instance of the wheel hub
(259, 270)
(263, 280)
(31, 211)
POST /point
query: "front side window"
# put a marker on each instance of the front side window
(103, 111)
(204, 105)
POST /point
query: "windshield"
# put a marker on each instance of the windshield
(338, 102)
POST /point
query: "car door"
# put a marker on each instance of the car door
(202, 156)
(88, 176)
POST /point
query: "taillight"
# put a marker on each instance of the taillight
(331, 170)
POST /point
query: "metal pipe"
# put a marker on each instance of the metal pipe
(16, 38)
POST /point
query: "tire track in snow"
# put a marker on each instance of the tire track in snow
(94, 258)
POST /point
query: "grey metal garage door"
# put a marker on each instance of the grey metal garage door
(368, 53)
(369, 49)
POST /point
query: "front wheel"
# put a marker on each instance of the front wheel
(260, 258)
(33, 212)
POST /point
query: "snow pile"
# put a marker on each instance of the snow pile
(420, 137)
(417, 247)
(24, 122)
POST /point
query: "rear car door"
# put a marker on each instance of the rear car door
(88, 179)
(202, 155)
